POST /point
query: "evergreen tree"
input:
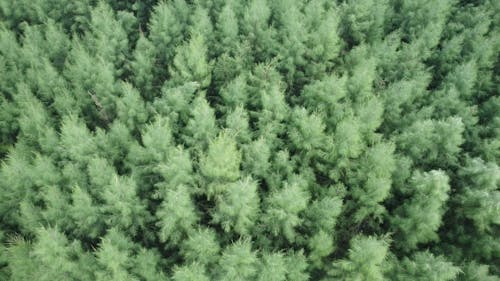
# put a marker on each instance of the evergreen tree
(221, 163)
(166, 30)
(201, 128)
(376, 168)
(272, 267)
(201, 247)
(176, 215)
(419, 217)
(238, 262)
(425, 266)
(238, 208)
(432, 141)
(130, 108)
(192, 272)
(363, 21)
(114, 257)
(365, 261)
(249, 140)
(283, 208)
(480, 195)
(147, 265)
(190, 63)
(142, 66)
(107, 38)
(57, 258)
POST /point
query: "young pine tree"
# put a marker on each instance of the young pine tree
(420, 216)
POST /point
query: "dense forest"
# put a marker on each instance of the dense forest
(270, 140)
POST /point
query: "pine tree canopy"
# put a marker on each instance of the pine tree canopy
(266, 140)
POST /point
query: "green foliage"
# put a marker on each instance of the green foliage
(142, 66)
(238, 262)
(238, 208)
(221, 162)
(85, 214)
(419, 217)
(307, 131)
(365, 261)
(130, 108)
(192, 272)
(375, 172)
(249, 140)
(272, 267)
(190, 63)
(201, 246)
(481, 195)
(107, 38)
(201, 128)
(56, 256)
(114, 257)
(176, 214)
(425, 266)
(284, 206)
(122, 207)
(363, 21)
(431, 141)
(477, 272)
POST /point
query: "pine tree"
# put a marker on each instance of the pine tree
(177, 215)
(283, 209)
(256, 158)
(167, 27)
(237, 123)
(142, 66)
(425, 266)
(323, 42)
(257, 31)
(296, 266)
(238, 208)
(190, 63)
(147, 265)
(363, 21)
(433, 141)
(419, 217)
(272, 267)
(376, 168)
(177, 170)
(477, 272)
(306, 131)
(130, 108)
(191, 272)
(201, 127)
(122, 207)
(54, 254)
(201, 247)
(480, 195)
(221, 163)
(227, 29)
(107, 37)
(238, 262)
(249, 140)
(77, 143)
(114, 257)
(85, 214)
(365, 261)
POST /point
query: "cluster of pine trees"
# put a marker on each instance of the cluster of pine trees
(270, 140)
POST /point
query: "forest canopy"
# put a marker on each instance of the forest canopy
(183, 140)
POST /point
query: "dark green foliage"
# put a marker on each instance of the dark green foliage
(249, 140)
